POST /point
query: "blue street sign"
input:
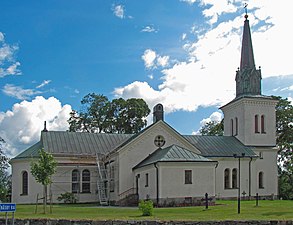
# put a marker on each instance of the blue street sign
(7, 207)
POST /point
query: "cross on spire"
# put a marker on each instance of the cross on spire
(245, 7)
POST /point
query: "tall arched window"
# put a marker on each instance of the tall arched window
(227, 178)
(75, 181)
(86, 181)
(232, 127)
(234, 178)
(24, 183)
(260, 180)
(236, 126)
(256, 130)
(262, 124)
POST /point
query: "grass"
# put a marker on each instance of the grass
(224, 210)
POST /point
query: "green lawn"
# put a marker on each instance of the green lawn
(224, 210)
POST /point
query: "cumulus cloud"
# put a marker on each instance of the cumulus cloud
(153, 60)
(21, 126)
(206, 77)
(19, 92)
(8, 63)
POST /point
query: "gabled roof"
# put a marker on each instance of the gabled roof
(219, 146)
(75, 143)
(173, 153)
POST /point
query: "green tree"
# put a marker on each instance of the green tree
(213, 128)
(284, 125)
(4, 177)
(42, 170)
(98, 115)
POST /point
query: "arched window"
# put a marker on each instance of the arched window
(232, 127)
(86, 181)
(256, 130)
(234, 178)
(24, 183)
(236, 126)
(262, 124)
(260, 180)
(227, 178)
(75, 181)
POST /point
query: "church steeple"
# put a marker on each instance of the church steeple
(248, 78)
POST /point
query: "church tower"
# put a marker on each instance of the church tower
(251, 116)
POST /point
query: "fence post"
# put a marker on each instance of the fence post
(207, 200)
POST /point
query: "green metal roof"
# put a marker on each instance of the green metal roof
(219, 146)
(75, 143)
(172, 153)
(31, 152)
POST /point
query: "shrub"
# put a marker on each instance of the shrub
(67, 197)
(147, 207)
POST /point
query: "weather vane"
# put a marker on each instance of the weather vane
(245, 7)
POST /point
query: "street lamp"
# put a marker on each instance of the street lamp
(239, 157)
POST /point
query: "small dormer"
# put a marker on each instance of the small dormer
(158, 113)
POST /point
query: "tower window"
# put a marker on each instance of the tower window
(262, 124)
(146, 180)
(256, 129)
(236, 126)
(232, 127)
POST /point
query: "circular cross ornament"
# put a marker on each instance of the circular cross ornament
(159, 141)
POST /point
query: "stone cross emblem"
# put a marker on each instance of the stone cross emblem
(159, 141)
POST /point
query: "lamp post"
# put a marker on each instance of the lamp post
(239, 157)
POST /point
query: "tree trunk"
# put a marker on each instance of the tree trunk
(45, 199)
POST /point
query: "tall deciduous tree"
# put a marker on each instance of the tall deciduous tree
(42, 170)
(98, 115)
(213, 128)
(4, 177)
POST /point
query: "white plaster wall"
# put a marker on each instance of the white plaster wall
(245, 110)
(61, 183)
(140, 148)
(172, 177)
(267, 165)
(232, 163)
(17, 167)
(149, 191)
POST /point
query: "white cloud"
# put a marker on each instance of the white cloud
(21, 126)
(44, 83)
(149, 57)
(207, 77)
(149, 29)
(189, 1)
(153, 60)
(118, 11)
(18, 92)
(8, 64)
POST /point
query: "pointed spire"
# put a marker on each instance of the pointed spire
(247, 58)
(248, 78)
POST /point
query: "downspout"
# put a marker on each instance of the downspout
(217, 164)
(249, 178)
(157, 177)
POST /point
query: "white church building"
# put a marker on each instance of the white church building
(160, 164)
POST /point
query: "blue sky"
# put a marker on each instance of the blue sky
(181, 53)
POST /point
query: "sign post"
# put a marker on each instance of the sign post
(8, 207)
